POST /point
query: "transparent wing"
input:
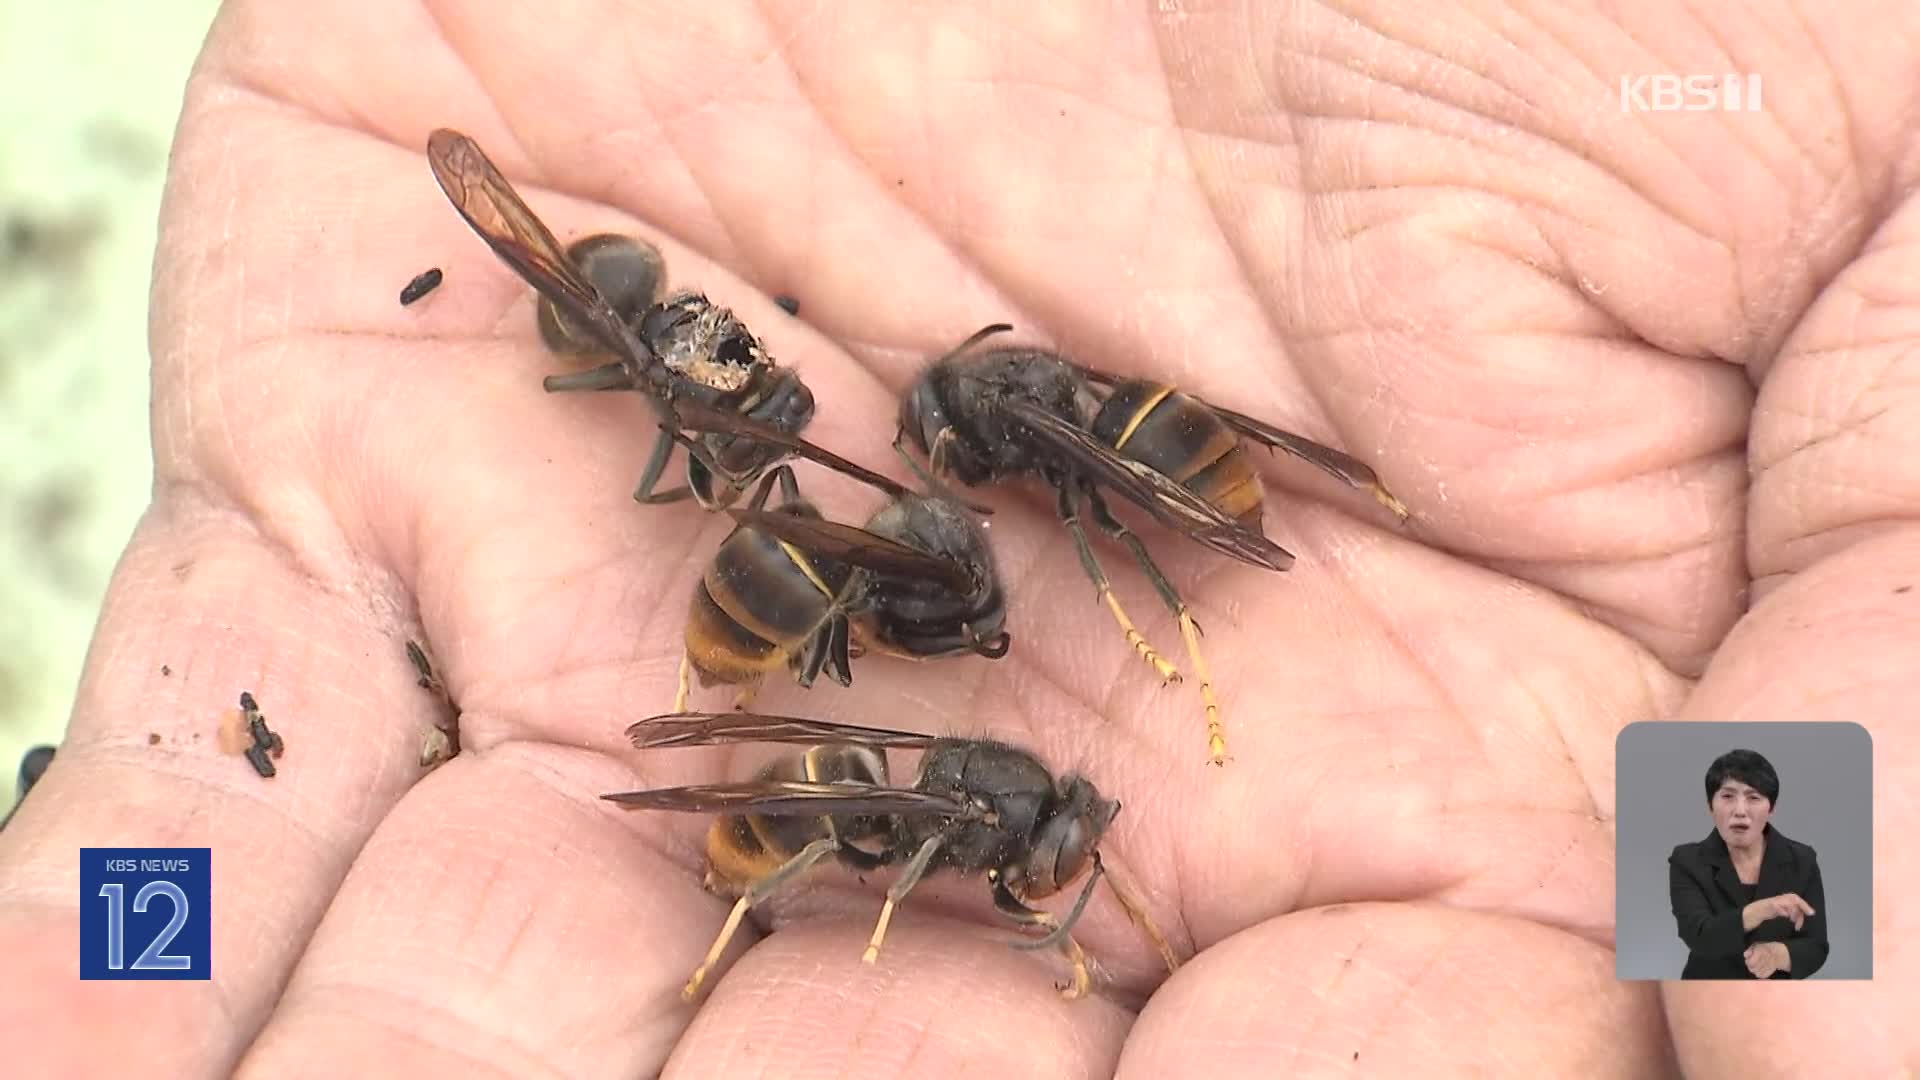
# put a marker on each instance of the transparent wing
(790, 798)
(711, 728)
(1171, 504)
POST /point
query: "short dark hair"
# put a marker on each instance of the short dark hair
(1747, 767)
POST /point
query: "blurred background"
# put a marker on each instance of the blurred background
(88, 101)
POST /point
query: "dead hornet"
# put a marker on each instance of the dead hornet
(974, 806)
(1014, 411)
(598, 297)
(789, 588)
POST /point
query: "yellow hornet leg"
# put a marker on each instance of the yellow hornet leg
(1137, 912)
(1389, 500)
(872, 952)
(1010, 906)
(686, 688)
(1189, 630)
(1082, 981)
(1216, 732)
(1168, 673)
(1071, 518)
(755, 893)
(1076, 956)
(727, 931)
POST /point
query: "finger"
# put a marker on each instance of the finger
(1831, 630)
(1388, 990)
(944, 999)
(141, 765)
(502, 918)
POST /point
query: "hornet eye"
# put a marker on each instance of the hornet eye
(1059, 854)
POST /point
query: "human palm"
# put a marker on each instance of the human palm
(1542, 319)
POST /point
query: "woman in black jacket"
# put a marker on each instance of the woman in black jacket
(1747, 899)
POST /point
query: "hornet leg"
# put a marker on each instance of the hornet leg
(1010, 906)
(897, 892)
(656, 466)
(1189, 630)
(686, 687)
(755, 893)
(1071, 517)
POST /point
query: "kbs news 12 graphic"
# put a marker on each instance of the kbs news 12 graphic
(145, 913)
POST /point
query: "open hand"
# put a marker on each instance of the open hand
(1635, 374)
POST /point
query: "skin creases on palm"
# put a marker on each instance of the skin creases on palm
(1603, 356)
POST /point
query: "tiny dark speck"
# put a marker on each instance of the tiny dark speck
(1903, 588)
(153, 738)
(422, 284)
(788, 304)
(165, 670)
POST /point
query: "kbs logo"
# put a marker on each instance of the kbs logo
(144, 913)
(1690, 93)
